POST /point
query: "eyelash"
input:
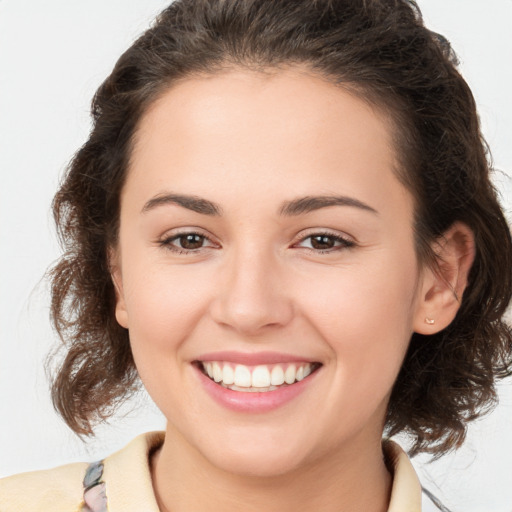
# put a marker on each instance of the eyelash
(166, 243)
(344, 243)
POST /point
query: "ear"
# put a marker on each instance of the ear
(117, 279)
(443, 285)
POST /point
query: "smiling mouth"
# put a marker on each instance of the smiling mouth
(256, 379)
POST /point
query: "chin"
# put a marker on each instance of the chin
(262, 458)
(258, 465)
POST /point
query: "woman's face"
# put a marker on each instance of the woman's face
(264, 235)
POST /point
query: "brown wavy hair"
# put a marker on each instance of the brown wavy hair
(381, 51)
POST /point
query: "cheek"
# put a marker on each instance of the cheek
(366, 316)
(164, 304)
(376, 297)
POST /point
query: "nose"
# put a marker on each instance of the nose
(252, 296)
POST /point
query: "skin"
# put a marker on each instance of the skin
(250, 142)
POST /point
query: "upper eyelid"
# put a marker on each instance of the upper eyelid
(177, 232)
(303, 235)
(343, 242)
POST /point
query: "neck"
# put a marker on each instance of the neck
(352, 479)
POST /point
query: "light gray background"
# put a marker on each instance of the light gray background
(53, 55)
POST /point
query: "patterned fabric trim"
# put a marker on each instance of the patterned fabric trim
(95, 495)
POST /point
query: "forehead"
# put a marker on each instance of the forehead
(276, 97)
(244, 127)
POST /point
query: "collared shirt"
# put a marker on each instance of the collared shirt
(125, 478)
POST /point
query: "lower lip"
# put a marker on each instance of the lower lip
(253, 402)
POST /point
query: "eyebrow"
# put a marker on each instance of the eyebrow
(289, 208)
(311, 203)
(194, 203)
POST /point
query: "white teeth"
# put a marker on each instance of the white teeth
(277, 376)
(289, 374)
(228, 375)
(217, 372)
(242, 376)
(260, 377)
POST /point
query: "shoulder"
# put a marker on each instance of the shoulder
(406, 490)
(58, 489)
(126, 475)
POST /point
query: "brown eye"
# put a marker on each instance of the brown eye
(190, 241)
(322, 242)
(325, 243)
(187, 243)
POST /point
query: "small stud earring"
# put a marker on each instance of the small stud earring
(429, 321)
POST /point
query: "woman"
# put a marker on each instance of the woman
(283, 223)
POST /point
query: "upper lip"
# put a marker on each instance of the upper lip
(254, 358)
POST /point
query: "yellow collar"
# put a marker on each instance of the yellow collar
(129, 469)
